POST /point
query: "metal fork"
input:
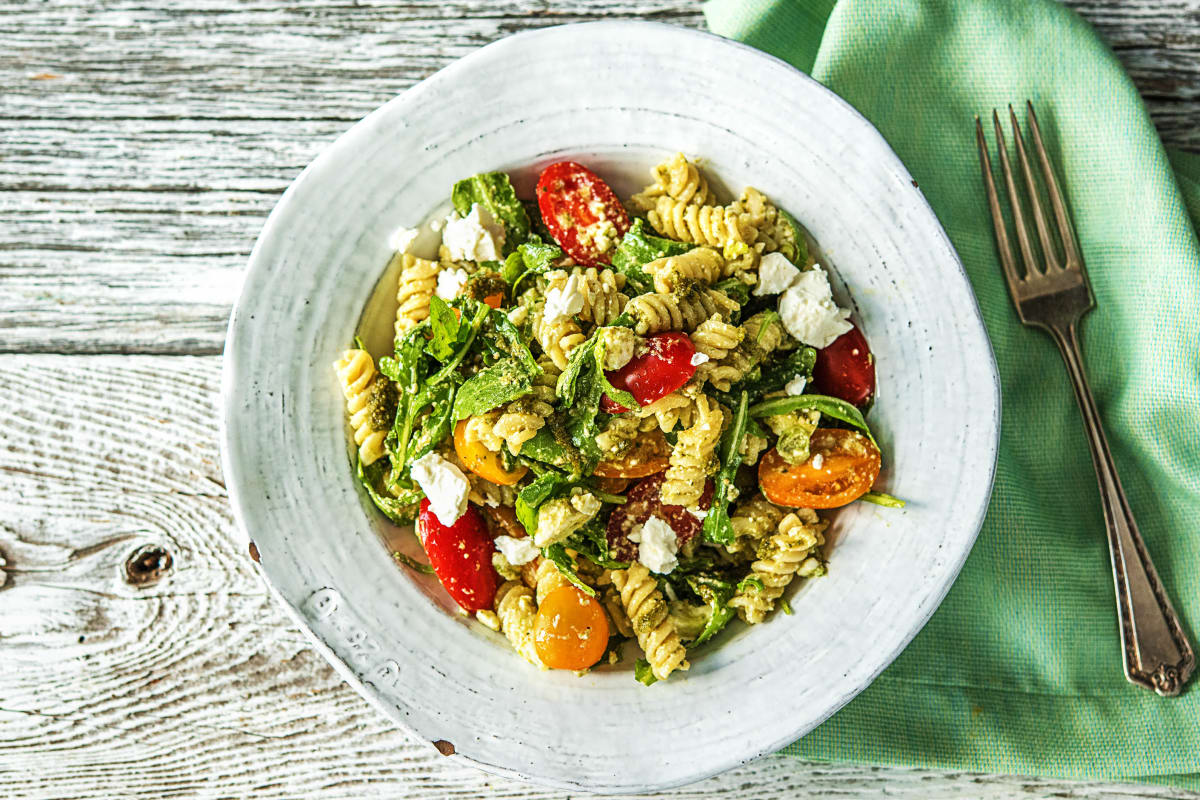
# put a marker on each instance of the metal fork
(1053, 294)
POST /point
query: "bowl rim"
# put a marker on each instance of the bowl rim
(233, 362)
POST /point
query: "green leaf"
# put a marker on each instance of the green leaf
(389, 368)
(494, 191)
(769, 317)
(530, 498)
(800, 256)
(716, 593)
(882, 499)
(591, 542)
(412, 563)
(735, 289)
(643, 673)
(717, 525)
(509, 341)
(400, 510)
(481, 314)
(638, 248)
(829, 406)
(785, 606)
(493, 386)
(444, 325)
(566, 565)
(619, 396)
(531, 259)
(750, 581)
(436, 426)
(547, 448)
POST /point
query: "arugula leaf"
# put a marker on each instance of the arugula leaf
(735, 289)
(751, 581)
(591, 542)
(716, 593)
(501, 383)
(882, 499)
(532, 496)
(546, 448)
(400, 510)
(508, 340)
(829, 406)
(494, 191)
(643, 673)
(412, 563)
(800, 256)
(619, 396)
(566, 565)
(717, 525)
(389, 368)
(444, 324)
(436, 426)
(481, 314)
(534, 257)
(637, 248)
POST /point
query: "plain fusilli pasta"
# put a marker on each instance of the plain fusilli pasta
(366, 402)
(418, 282)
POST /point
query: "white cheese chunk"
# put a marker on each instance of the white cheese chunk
(517, 551)
(657, 545)
(795, 386)
(698, 359)
(565, 302)
(402, 239)
(450, 282)
(475, 237)
(775, 274)
(444, 484)
(808, 310)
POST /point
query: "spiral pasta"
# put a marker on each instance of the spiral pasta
(647, 612)
(521, 421)
(482, 428)
(771, 228)
(367, 402)
(618, 436)
(715, 338)
(693, 458)
(601, 289)
(669, 411)
(655, 312)
(418, 282)
(752, 521)
(557, 337)
(698, 265)
(516, 609)
(679, 179)
(789, 552)
(716, 226)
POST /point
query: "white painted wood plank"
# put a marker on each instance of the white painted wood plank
(197, 686)
(135, 180)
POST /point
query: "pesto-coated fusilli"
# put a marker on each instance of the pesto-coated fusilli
(366, 402)
(791, 551)
(517, 611)
(647, 612)
(693, 458)
(601, 290)
(679, 179)
(701, 265)
(656, 312)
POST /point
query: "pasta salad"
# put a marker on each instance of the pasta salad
(610, 426)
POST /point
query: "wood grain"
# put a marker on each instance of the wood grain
(197, 686)
(145, 143)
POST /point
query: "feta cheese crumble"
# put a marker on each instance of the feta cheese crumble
(444, 484)
(818, 461)
(564, 302)
(657, 545)
(450, 282)
(808, 310)
(516, 551)
(795, 386)
(402, 239)
(775, 274)
(698, 359)
(475, 237)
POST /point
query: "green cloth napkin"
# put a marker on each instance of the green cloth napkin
(1019, 670)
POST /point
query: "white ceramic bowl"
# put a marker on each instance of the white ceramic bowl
(618, 97)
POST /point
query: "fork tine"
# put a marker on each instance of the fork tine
(1022, 231)
(1049, 259)
(1002, 245)
(1065, 230)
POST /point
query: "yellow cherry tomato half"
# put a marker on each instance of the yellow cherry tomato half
(571, 630)
(484, 462)
(841, 467)
(649, 455)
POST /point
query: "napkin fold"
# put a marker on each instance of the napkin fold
(1019, 670)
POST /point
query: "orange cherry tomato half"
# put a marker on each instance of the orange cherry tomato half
(484, 462)
(571, 630)
(612, 485)
(494, 300)
(841, 467)
(648, 455)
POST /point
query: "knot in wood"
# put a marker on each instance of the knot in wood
(147, 565)
(444, 747)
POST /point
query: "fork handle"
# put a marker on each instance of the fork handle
(1155, 650)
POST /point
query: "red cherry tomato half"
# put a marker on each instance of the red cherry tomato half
(846, 369)
(643, 501)
(664, 367)
(461, 555)
(576, 205)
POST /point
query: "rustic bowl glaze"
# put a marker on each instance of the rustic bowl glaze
(618, 97)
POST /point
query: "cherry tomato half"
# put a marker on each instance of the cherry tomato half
(644, 500)
(649, 454)
(461, 556)
(484, 462)
(577, 206)
(846, 369)
(841, 467)
(661, 369)
(570, 630)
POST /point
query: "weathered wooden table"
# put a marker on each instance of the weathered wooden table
(143, 145)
